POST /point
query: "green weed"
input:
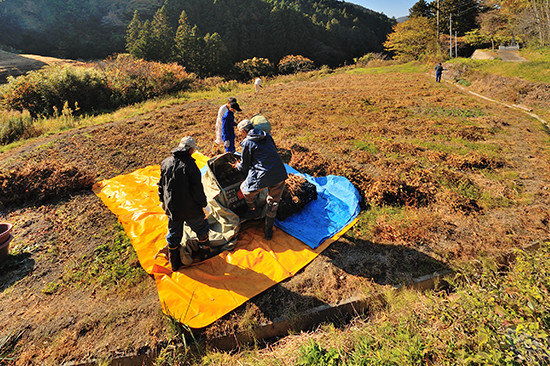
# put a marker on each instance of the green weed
(312, 354)
(113, 265)
(8, 345)
(51, 288)
(453, 112)
(365, 146)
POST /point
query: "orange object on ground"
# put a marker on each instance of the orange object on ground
(201, 294)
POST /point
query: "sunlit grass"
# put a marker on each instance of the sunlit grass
(407, 68)
(537, 69)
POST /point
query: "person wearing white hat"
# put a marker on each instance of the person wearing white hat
(182, 198)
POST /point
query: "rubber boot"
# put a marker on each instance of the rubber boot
(174, 258)
(268, 228)
(204, 248)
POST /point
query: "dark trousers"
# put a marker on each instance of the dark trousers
(198, 224)
(274, 194)
(438, 77)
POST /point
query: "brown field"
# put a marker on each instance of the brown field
(444, 178)
(12, 64)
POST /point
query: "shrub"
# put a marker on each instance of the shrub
(254, 67)
(227, 86)
(135, 80)
(292, 64)
(112, 83)
(15, 125)
(364, 60)
(42, 91)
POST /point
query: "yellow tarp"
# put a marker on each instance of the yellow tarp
(201, 294)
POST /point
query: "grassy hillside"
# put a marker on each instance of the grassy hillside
(446, 179)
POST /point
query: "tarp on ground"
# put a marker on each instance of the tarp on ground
(201, 294)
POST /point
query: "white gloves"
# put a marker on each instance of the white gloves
(226, 143)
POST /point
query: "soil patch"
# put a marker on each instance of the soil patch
(443, 177)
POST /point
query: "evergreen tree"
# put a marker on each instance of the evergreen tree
(421, 9)
(132, 34)
(162, 37)
(216, 55)
(461, 14)
(144, 45)
(187, 45)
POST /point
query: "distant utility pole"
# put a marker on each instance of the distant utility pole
(450, 35)
(456, 44)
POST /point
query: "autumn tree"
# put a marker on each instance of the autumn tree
(412, 39)
(529, 19)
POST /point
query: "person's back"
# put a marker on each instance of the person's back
(180, 186)
(262, 161)
(182, 198)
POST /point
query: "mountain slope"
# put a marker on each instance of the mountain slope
(328, 31)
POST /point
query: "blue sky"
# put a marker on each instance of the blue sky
(392, 8)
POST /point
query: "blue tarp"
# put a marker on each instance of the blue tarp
(337, 205)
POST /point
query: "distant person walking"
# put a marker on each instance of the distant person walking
(438, 72)
(228, 127)
(258, 84)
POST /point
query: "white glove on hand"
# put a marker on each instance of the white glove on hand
(227, 143)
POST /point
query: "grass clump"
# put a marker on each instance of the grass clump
(113, 265)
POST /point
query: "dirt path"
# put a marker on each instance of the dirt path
(444, 177)
(511, 56)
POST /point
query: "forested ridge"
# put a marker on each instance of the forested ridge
(327, 31)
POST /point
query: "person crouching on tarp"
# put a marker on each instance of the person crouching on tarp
(264, 168)
(182, 198)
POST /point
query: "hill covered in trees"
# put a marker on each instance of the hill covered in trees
(327, 31)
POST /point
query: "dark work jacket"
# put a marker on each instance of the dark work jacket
(180, 186)
(260, 161)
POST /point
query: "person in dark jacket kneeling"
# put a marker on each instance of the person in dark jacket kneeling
(182, 197)
(264, 168)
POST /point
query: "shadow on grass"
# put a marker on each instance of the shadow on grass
(383, 264)
(14, 268)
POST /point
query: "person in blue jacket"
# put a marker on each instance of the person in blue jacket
(228, 126)
(438, 72)
(264, 168)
